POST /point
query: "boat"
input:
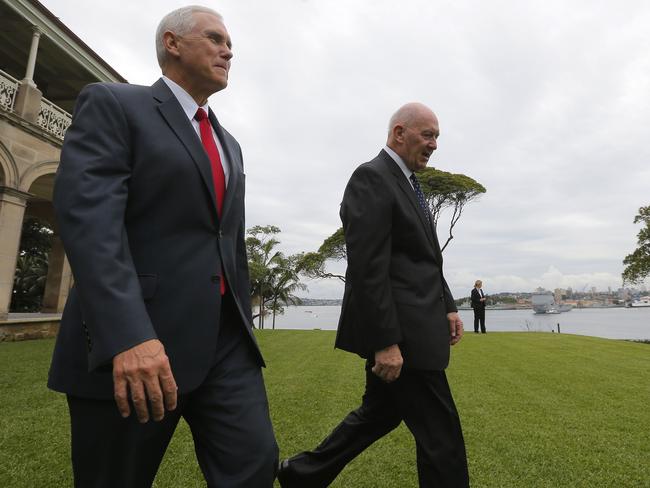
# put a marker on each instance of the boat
(544, 303)
(641, 302)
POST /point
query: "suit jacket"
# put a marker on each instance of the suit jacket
(477, 304)
(136, 211)
(395, 291)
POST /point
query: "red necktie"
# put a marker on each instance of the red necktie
(218, 177)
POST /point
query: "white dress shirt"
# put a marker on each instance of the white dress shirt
(190, 107)
(402, 165)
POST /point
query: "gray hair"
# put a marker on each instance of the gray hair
(180, 21)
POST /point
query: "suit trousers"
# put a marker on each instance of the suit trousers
(228, 416)
(479, 318)
(423, 400)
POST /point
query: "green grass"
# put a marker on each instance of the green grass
(538, 410)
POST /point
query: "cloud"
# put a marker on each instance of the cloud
(547, 104)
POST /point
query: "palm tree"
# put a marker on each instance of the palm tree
(284, 280)
(261, 259)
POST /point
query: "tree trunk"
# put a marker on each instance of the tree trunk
(260, 324)
(275, 302)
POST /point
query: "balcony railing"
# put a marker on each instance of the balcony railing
(51, 118)
(8, 90)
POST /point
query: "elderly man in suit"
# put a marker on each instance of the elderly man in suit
(149, 198)
(478, 299)
(397, 313)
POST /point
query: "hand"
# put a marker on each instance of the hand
(455, 328)
(144, 370)
(388, 363)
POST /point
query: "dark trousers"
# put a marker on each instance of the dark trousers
(228, 416)
(479, 317)
(422, 399)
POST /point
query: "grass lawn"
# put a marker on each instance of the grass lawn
(538, 410)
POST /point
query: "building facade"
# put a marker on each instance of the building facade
(43, 67)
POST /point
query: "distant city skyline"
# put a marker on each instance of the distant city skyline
(623, 293)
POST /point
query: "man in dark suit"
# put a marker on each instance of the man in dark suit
(149, 198)
(397, 313)
(478, 304)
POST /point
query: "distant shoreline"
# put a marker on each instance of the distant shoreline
(319, 302)
(326, 302)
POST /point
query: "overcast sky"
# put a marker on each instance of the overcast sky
(545, 103)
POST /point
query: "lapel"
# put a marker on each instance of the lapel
(234, 165)
(408, 191)
(173, 113)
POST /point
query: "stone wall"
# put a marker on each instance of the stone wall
(26, 329)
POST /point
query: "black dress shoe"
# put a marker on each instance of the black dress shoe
(283, 471)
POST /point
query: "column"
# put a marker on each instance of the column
(59, 279)
(31, 61)
(12, 210)
(28, 97)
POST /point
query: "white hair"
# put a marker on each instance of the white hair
(180, 21)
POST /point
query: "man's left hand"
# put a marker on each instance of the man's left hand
(455, 328)
(388, 363)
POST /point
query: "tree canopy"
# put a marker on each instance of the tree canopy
(637, 264)
(441, 189)
(444, 190)
(313, 264)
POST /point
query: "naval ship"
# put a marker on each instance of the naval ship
(545, 303)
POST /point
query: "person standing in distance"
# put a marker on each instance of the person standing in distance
(149, 198)
(478, 304)
(398, 314)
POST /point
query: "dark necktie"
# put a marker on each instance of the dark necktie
(420, 197)
(218, 176)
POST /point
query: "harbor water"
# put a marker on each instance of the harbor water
(609, 323)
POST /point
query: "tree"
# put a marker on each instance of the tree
(283, 281)
(260, 245)
(31, 266)
(334, 246)
(441, 190)
(274, 276)
(29, 283)
(313, 264)
(444, 190)
(637, 263)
